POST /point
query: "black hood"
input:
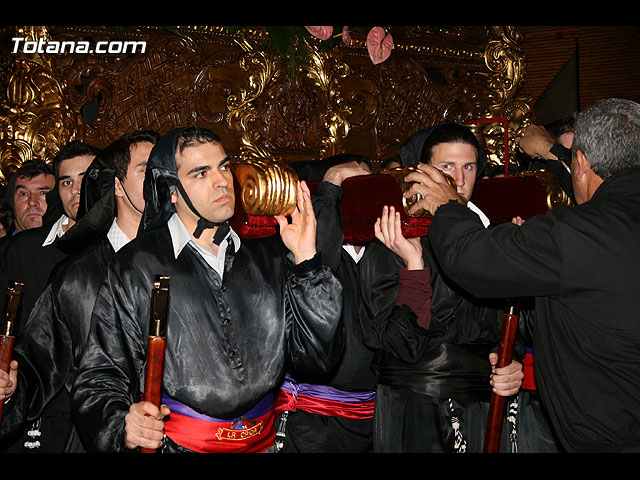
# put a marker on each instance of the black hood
(9, 191)
(97, 207)
(161, 178)
(410, 151)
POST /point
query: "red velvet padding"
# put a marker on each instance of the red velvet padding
(503, 198)
(362, 203)
(500, 199)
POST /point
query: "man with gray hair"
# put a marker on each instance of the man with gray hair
(582, 264)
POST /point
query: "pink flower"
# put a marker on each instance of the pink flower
(346, 38)
(379, 45)
(323, 33)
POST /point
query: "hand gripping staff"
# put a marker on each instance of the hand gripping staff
(157, 343)
(12, 299)
(505, 355)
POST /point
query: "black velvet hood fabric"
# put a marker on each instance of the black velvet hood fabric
(160, 180)
(9, 191)
(97, 205)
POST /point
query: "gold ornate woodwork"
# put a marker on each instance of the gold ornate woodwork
(509, 111)
(267, 186)
(35, 119)
(237, 85)
(556, 196)
(263, 67)
(326, 71)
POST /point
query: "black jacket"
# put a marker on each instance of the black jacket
(353, 371)
(229, 341)
(61, 283)
(451, 357)
(49, 348)
(583, 265)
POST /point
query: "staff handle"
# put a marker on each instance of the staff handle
(505, 355)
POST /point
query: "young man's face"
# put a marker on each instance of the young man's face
(70, 173)
(205, 173)
(134, 180)
(30, 200)
(460, 161)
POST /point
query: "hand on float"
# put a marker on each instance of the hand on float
(338, 173)
(434, 188)
(536, 142)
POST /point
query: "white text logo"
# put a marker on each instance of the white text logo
(69, 46)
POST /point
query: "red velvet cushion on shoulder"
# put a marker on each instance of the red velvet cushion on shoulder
(501, 199)
(362, 203)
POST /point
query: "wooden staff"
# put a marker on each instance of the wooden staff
(505, 355)
(12, 299)
(157, 343)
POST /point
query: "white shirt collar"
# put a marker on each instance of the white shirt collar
(180, 237)
(117, 237)
(474, 208)
(350, 249)
(56, 230)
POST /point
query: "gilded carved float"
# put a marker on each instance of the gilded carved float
(237, 85)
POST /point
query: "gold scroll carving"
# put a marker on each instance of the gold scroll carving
(35, 119)
(237, 85)
(267, 186)
(556, 196)
(506, 62)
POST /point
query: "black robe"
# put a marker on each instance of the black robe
(25, 260)
(49, 348)
(426, 377)
(229, 342)
(315, 433)
(60, 290)
(583, 266)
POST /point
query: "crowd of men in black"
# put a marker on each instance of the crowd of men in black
(303, 343)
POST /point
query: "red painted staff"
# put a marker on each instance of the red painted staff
(505, 355)
(157, 343)
(12, 299)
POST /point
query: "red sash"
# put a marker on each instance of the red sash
(222, 437)
(287, 401)
(253, 433)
